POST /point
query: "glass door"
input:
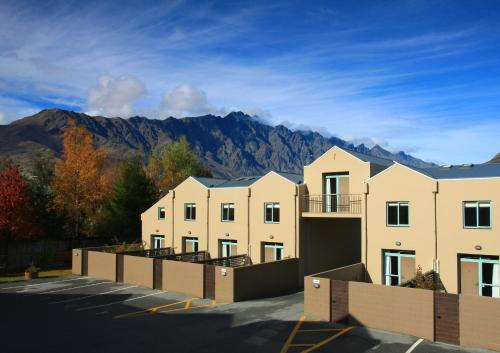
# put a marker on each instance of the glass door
(331, 188)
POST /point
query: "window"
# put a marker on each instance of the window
(161, 212)
(477, 214)
(158, 241)
(227, 212)
(189, 211)
(228, 248)
(272, 252)
(398, 214)
(272, 212)
(190, 244)
(480, 275)
(399, 267)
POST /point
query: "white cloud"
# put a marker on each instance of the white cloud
(114, 96)
(2, 118)
(186, 99)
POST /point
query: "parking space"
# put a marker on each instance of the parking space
(81, 314)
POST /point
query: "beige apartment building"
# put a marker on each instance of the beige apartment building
(346, 208)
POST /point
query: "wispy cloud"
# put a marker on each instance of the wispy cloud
(373, 74)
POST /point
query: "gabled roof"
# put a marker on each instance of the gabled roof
(294, 178)
(209, 182)
(385, 162)
(485, 170)
(239, 182)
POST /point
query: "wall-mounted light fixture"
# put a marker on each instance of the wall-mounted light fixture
(271, 237)
(223, 272)
(398, 243)
(157, 231)
(227, 234)
(316, 283)
(189, 232)
(478, 247)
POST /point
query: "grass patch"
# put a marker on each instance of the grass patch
(18, 277)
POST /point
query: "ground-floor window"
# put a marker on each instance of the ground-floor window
(271, 252)
(158, 241)
(190, 244)
(399, 267)
(228, 248)
(480, 275)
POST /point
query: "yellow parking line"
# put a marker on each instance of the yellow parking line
(301, 345)
(152, 310)
(189, 307)
(292, 335)
(321, 330)
(329, 339)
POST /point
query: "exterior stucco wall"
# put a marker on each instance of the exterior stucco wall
(410, 311)
(76, 262)
(152, 225)
(398, 183)
(480, 322)
(190, 191)
(184, 277)
(138, 270)
(236, 230)
(274, 188)
(453, 238)
(317, 301)
(102, 265)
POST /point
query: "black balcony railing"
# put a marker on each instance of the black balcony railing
(332, 203)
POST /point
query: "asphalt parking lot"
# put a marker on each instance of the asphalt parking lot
(80, 314)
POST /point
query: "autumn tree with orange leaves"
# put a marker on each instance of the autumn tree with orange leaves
(16, 217)
(80, 185)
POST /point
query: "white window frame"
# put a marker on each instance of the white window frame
(277, 247)
(164, 213)
(477, 205)
(387, 263)
(398, 204)
(495, 287)
(189, 206)
(194, 242)
(159, 239)
(228, 206)
(229, 244)
(274, 206)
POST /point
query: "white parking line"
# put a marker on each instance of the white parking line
(70, 288)
(117, 302)
(90, 296)
(414, 345)
(42, 283)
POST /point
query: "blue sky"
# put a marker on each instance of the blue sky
(418, 76)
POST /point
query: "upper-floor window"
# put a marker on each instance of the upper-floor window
(227, 212)
(189, 211)
(398, 214)
(272, 212)
(161, 212)
(477, 214)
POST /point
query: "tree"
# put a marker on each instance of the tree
(175, 163)
(16, 217)
(79, 183)
(132, 193)
(42, 198)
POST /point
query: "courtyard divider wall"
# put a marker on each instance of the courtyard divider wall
(185, 277)
(100, 264)
(466, 320)
(138, 270)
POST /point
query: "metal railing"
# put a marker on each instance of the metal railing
(196, 256)
(332, 203)
(230, 261)
(152, 253)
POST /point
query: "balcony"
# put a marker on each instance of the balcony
(332, 205)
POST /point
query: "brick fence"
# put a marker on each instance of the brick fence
(457, 319)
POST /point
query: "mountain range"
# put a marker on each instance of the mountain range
(231, 146)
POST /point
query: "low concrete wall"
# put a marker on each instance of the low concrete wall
(405, 310)
(355, 272)
(102, 265)
(224, 285)
(479, 322)
(185, 277)
(317, 301)
(138, 270)
(76, 262)
(256, 281)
